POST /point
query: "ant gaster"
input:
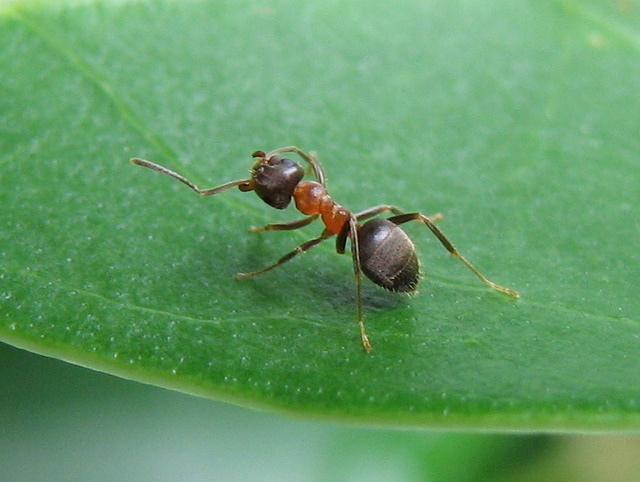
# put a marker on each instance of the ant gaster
(380, 248)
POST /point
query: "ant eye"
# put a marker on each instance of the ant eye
(275, 179)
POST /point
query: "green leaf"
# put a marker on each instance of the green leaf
(517, 121)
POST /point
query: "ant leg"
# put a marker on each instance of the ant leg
(384, 208)
(403, 218)
(307, 245)
(285, 226)
(311, 158)
(244, 184)
(350, 229)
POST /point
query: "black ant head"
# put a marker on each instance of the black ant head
(274, 179)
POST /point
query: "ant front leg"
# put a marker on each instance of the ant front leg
(300, 249)
(403, 218)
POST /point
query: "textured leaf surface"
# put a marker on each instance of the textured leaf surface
(518, 122)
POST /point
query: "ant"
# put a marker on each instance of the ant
(380, 248)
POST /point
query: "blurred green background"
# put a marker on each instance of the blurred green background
(62, 422)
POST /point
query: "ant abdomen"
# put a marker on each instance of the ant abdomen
(388, 256)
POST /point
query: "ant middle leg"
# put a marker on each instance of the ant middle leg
(307, 245)
(403, 218)
(285, 226)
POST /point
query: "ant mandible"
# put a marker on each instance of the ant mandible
(380, 248)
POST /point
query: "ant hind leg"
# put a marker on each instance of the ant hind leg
(385, 208)
(357, 271)
(403, 218)
(350, 231)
